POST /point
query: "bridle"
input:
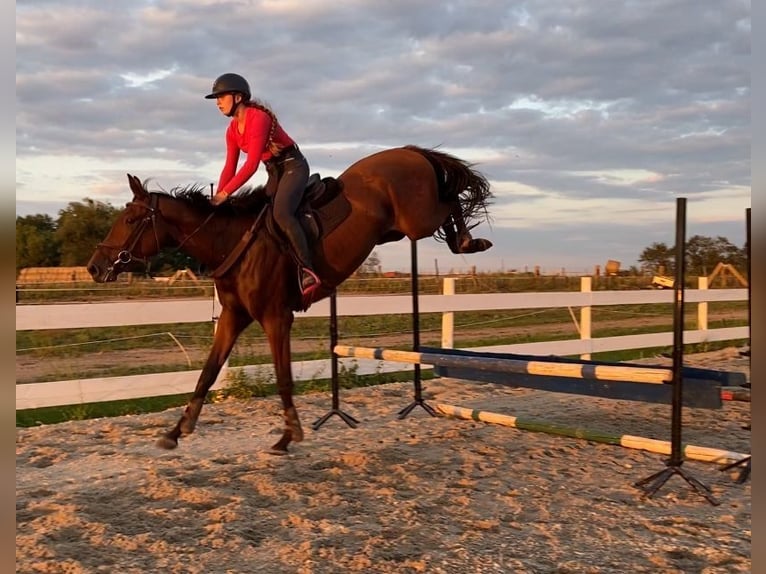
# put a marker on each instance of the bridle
(125, 252)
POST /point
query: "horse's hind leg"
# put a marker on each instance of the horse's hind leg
(458, 236)
(277, 329)
(229, 327)
(450, 235)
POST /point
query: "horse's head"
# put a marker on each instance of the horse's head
(137, 234)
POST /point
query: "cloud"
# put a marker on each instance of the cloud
(573, 111)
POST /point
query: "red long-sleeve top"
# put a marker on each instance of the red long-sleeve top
(254, 141)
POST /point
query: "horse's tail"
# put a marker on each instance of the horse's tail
(458, 181)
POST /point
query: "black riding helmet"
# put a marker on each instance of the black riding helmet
(228, 84)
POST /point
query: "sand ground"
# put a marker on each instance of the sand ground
(422, 494)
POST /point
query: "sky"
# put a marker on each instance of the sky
(589, 119)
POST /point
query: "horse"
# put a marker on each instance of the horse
(400, 192)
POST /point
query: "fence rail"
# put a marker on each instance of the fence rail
(79, 315)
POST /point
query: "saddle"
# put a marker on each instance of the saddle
(321, 210)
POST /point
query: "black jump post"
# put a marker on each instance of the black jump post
(745, 463)
(417, 399)
(335, 410)
(651, 484)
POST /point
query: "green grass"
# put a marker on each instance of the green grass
(53, 415)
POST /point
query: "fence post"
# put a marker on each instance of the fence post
(585, 315)
(448, 318)
(702, 306)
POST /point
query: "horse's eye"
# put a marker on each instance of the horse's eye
(131, 219)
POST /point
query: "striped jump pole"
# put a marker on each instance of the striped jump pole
(700, 453)
(628, 374)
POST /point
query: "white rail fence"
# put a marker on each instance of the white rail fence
(80, 315)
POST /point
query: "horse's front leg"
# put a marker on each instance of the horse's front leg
(230, 325)
(277, 329)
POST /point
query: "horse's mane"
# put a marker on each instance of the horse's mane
(248, 200)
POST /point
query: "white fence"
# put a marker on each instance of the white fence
(79, 315)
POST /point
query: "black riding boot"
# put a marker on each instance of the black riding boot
(309, 279)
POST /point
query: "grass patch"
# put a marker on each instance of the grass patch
(53, 415)
(238, 386)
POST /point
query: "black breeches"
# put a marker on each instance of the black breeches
(291, 177)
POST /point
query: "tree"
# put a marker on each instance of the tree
(704, 253)
(371, 265)
(658, 258)
(36, 242)
(82, 226)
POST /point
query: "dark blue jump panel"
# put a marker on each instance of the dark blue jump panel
(702, 387)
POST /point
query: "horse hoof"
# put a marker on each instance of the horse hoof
(167, 443)
(485, 244)
(187, 427)
(475, 245)
(280, 447)
(293, 426)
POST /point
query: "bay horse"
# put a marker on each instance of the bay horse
(395, 193)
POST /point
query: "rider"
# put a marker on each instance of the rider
(255, 130)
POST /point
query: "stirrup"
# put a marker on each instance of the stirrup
(310, 282)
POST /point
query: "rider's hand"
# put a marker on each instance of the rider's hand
(219, 198)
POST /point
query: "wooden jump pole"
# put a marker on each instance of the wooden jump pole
(700, 453)
(573, 370)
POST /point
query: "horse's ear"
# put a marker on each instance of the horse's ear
(136, 187)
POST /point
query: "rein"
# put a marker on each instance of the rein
(193, 233)
(239, 249)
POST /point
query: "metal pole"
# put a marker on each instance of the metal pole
(415, 315)
(746, 463)
(653, 483)
(418, 398)
(676, 452)
(333, 356)
(334, 382)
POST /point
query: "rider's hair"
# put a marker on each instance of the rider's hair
(274, 147)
